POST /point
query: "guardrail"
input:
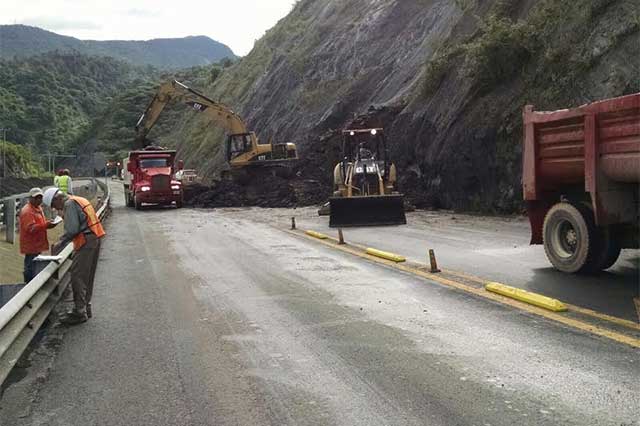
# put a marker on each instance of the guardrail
(9, 210)
(24, 314)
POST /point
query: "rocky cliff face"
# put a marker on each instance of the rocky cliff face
(447, 79)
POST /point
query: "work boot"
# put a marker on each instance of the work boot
(89, 313)
(73, 318)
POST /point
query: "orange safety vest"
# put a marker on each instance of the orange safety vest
(93, 222)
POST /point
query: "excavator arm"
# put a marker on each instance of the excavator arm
(218, 113)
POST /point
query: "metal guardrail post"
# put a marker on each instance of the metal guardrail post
(10, 219)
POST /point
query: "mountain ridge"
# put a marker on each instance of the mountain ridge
(163, 53)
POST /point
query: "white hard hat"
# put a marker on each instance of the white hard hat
(48, 196)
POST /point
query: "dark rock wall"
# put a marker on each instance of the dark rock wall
(454, 128)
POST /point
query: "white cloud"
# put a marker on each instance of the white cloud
(142, 13)
(60, 24)
(237, 23)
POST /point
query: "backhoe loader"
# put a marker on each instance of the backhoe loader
(365, 183)
(243, 149)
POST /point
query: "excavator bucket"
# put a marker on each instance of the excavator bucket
(367, 211)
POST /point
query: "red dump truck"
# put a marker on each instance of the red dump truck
(149, 178)
(581, 175)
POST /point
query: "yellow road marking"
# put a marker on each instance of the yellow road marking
(527, 297)
(481, 292)
(572, 308)
(386, 255)
(604, 317)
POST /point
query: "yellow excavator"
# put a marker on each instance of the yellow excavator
(243, 149)
(365, 192)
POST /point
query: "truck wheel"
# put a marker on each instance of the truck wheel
(137, 203)
(179, 204)
(570, 237)
(609, 251)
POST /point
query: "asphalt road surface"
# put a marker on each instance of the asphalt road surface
(216, 318)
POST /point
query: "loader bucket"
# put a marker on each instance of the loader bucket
(374, 210)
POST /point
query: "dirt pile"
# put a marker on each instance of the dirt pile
(270, 191)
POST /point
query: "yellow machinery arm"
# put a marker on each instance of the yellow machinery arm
(242, 148)
(217, 112)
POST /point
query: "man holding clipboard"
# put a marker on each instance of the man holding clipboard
(82, 227)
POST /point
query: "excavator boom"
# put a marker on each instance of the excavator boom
(243, 148)
(218, 113)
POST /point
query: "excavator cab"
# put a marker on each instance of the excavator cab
(365, 183)
(238, 145)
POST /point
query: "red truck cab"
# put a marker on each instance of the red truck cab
(150, 178)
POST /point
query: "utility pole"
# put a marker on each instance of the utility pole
(4, 151)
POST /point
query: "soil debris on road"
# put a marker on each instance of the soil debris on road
(268, 191)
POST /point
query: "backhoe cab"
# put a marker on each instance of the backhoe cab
(365, 183)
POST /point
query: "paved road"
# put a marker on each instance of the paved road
(496, 250)
(213, 318)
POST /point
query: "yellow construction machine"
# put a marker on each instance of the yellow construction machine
(365, 191)
(243, 149)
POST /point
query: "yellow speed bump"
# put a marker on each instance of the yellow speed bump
(386, 255)
(317, 235)
(525, 296)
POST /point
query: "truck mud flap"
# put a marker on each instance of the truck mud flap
(376, 210)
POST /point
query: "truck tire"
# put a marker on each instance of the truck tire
(570, 237)
(179, 204)
(609, 251)
(137, 203)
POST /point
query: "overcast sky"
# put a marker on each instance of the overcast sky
(236, 23)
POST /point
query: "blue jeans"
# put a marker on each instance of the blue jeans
(29, 267)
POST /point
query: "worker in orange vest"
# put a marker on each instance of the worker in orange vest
(82, 227)
(33, 232)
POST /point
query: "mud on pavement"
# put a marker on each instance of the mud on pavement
(266, 191)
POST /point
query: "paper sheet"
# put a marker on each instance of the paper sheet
(45, 258)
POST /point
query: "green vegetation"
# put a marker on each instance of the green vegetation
(551, 50)
(20, 162)
(48, 101)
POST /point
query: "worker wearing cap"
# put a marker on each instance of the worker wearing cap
(33, 232)
(82, 227)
